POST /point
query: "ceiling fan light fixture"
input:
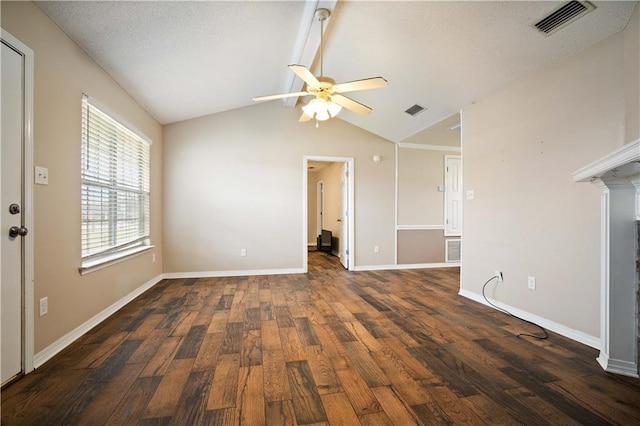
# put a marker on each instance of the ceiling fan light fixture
(321, 109)
(329, 96)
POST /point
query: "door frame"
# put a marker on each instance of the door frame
(319, 206)
(351, 204)
(448, 233)
(27, 207)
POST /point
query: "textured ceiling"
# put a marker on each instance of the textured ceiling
(184, 59)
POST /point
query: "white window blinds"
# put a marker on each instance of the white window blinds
(115, 185)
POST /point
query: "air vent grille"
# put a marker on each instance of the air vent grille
(416, 109)
(564, 16)
(452, 251)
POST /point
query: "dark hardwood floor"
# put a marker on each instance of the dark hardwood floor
(329, 347)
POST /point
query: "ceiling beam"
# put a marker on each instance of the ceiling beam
(307, 44)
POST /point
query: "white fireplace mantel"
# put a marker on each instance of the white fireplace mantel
(618, 177)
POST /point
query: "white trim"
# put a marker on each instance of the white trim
(604, 270)
(579, 336)
(406, 266)
(627, 154)
(418, 227)
(27, 217)
(617, 366)
(238, 273)
(319, 206)
(47, 353)
(396, 201)
(636, 182)
(112, 259)
(430, 147)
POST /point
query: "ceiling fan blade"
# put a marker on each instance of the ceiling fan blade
(367, 83)
(304, 117)
(283, 95)
(304, 73)
(350, 104)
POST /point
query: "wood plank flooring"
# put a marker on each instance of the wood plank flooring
(329, 347)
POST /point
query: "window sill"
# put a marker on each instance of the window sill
(97, 264)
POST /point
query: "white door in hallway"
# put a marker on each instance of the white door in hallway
(344, 219)
(11, 203)
(453, 196)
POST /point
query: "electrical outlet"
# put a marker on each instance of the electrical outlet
(376, 249)
(531, 282)
(243, 252)
(499, 276)
(44, 306)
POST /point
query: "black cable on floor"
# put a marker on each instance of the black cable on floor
(543, 337)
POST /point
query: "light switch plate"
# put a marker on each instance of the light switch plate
(42, 176)
(471, 194)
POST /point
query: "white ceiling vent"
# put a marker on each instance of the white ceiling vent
(416, 109)
(563, 16)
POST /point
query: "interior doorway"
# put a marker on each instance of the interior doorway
(328, 205)
(16, 250)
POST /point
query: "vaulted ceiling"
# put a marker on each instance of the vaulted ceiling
(183, 59)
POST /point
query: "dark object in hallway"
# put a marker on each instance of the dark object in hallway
(324, 241)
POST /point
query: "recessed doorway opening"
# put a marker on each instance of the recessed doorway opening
(328, 202)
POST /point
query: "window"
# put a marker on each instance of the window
(115, 188)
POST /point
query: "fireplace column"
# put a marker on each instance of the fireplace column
(617, 175)
(618, 301)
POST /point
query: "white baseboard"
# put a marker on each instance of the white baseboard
(563, 330)
(54, 348)
(240, 273)
(617, 366)
(408, 266)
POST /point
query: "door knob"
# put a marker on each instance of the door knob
(14, 231)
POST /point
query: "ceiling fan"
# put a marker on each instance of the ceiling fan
(328, 99)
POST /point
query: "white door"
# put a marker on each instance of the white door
(11, 203)
(344, 217)
(320, 204)
(453, 196)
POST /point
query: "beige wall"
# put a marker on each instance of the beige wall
(421, 246)
(62, 73)
(528, 218)
(631, 40)
(439, 134)
(234, 180)
(420, 172)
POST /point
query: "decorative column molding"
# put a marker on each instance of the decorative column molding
(603, 358)
(618, 352)
(617, 175)
(636, 182)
